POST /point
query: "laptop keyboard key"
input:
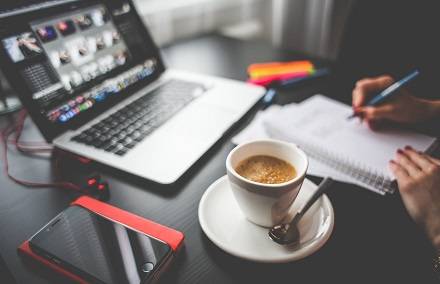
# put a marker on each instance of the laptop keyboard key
(122, 152)
(120, 149)
(110, 146)
(88, 140)
(122, 135)
(96, 143)
(80, 138)
(135, 135)
(131, 145)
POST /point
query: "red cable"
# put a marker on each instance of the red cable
(18, 127)
(27, 146)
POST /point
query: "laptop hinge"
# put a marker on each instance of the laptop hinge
(33, 7)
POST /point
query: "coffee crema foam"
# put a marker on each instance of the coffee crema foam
(266, 169)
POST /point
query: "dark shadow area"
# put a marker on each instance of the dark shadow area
(5, 275)
(44, 272)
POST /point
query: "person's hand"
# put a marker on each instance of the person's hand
(403, 108)
(418, 178)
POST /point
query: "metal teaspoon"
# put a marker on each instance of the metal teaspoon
(288, 234)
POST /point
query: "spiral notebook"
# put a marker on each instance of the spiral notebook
(344, 148)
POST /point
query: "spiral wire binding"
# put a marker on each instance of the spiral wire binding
(356, 170)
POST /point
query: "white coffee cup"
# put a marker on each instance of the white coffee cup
(266, 204)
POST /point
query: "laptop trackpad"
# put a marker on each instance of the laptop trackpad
(170, 150)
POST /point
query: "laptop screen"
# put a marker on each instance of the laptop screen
(72, 61)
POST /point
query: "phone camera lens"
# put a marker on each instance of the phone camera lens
(147, 267)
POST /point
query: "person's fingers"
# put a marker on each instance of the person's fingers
(433, 160)
(382, 82)
(366, 87)
(399, 172)
(359, 97)
(419, 159)
(375, 125)
(360, 92)
(380, 112)
(407, 164)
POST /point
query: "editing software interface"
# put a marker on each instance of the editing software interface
(71, 62)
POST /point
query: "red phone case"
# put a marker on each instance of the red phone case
(170, 236)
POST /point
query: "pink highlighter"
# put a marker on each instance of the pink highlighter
(266, 80)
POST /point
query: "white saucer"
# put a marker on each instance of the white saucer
(225, 225)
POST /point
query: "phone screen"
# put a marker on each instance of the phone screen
(99, 250)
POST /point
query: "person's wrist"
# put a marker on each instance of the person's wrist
(436, 242)
(432, 230)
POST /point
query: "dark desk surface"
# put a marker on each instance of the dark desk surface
(373, 239)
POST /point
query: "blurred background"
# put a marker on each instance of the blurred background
(313, 27)
(310, 26)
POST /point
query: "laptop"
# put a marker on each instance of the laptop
(95, 84)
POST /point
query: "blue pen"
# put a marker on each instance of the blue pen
(269, 97)
(390, 91)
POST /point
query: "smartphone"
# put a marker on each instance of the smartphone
(100, 250)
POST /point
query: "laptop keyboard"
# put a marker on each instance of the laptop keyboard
(121, 131)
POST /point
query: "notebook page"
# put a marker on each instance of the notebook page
(322, 121)
(255, 129)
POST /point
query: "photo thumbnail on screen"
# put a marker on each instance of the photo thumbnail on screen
(46, 34)
(66, 27)
(22, 46)
(84, 21)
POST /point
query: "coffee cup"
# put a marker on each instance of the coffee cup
(262, 203)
